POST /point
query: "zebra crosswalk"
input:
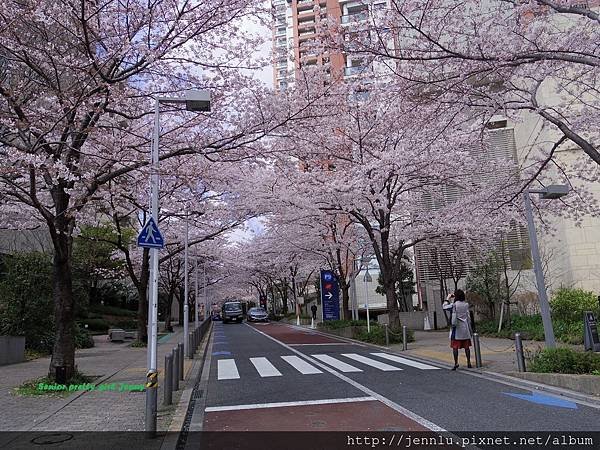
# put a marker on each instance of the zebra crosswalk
(227, 369)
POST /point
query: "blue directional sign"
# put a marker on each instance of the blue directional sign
(150, 236)
(330, 295)
(546, 400)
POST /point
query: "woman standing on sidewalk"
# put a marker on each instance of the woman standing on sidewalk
(460, 334)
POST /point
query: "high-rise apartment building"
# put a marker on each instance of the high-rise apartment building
(299, 24)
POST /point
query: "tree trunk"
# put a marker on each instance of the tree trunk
(63, 352)
(345, 288)
(169, 306)
(392, 306)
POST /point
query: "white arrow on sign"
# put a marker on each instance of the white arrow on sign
(329, 295)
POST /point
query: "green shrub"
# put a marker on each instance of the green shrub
(337, 324)
(96, 324)
(26, 301)
(127, 324)
(565, 360)
(377, 335)
(111, 310)
(570, 304)
(531, 327)
(83, 338)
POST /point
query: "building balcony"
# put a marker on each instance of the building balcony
(357, 17)
(357, 70)
(304, 5)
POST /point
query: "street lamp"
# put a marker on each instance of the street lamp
(548, 193)
(194, 100)
(367, 279)
(186, 306)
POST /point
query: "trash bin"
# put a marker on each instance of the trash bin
(61, 374)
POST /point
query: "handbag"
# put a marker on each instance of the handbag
(453, 322)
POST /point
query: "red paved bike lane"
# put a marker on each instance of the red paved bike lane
(291, 336)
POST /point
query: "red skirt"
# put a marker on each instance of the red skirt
(460, 343)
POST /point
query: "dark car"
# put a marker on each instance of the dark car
(258, 314)
(232, 311)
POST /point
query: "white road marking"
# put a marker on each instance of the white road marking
(370, 362)
(408, 362)
(227, 370)
(264, 367)
(284, 404)
(339, 365)
(300, 365)
(395, 406)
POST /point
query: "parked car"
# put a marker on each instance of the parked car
(258, 314)
(232, 311)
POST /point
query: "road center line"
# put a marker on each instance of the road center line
(326, 401)
(411, 415)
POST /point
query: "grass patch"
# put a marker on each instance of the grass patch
(565, 360)
(30, 388)
(138, 344)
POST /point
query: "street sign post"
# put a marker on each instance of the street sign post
(330, 296)
(150, 236)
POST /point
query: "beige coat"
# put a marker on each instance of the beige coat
(462, 320)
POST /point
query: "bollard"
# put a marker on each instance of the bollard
(404, 343)
(387, 336)
(168, 396)
(181, 359)
(175, 379)
(477, 350)
(519, 351)
(191, 345)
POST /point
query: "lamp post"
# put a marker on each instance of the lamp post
(548, 193)
(196, 311)
(204, 291)
(186, 294)
(367, 279)
(194, 100)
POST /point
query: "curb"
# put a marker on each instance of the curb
(180, 416)
(579, 397)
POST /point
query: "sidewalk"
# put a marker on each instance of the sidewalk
(497, 355)
(89, 410)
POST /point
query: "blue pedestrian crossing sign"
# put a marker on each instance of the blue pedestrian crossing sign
(150, 236)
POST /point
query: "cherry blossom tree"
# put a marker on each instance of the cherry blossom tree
(388, 166)
(509, 57)
(75, 112)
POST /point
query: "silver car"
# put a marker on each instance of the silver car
(258, 314)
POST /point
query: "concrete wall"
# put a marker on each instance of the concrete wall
(12, 349)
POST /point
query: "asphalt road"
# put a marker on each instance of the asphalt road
(267, 377)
